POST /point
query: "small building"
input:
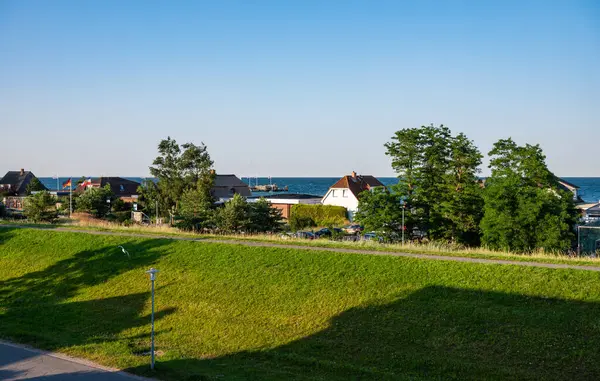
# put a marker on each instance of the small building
(590, 213)
(226, 186)
(126, 190)
(565, 185)
(285, 201)
(346, 190)
(14, 183)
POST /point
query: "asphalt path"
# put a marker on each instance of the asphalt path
(329, 249)
(19, 362)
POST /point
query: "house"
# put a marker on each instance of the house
(346, 190)
(122, 188)
(590, 213)
(284, 201)
(14, 183)
(226, 186)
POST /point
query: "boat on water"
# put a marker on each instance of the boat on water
(268, 188)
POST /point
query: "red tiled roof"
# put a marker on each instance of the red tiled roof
(357, 184)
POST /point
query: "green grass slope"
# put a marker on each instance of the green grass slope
(232, 312)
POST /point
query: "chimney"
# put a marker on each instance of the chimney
(212, 172)
(22, 171)
(353, 174)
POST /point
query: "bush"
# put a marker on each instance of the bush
(41, 207)
(2, 210)
(299, 223)
(320, 215)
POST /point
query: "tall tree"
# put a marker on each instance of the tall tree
(525, 208)
(181, 168)
(462, 206)
(380, 210)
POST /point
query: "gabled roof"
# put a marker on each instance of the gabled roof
(567, 184)
(16, 179)
(228, 181)
(357, 183)
(120, 186)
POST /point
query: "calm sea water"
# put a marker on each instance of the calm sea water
(318, 186)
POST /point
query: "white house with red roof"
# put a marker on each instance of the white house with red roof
(346, 190)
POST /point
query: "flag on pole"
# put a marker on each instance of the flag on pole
(67, 184)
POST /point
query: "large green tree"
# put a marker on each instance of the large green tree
(40, 207)
(525, 208)
(437, 178)
(179, 169)
(380, 210)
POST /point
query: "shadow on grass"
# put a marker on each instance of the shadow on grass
(436, 333)
(37, 309)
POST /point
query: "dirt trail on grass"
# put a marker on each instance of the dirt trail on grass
(316, 248)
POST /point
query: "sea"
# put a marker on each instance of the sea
(318, 186)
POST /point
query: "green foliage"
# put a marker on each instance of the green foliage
(380, 210)
(178, 169)
(40, 207)
(119, 205)
(317, 214)
(34, 186)
(525, 209)
(438, 179)
(297, 222)
(263, 217)
(197, 210)
(96, 201)
(234, 216)
(272, 313)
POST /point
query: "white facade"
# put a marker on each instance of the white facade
(341, 197)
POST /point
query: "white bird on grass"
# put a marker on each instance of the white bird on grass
(124, 251)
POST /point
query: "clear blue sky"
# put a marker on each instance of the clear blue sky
(292, 88)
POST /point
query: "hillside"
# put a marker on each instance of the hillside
(236, 312)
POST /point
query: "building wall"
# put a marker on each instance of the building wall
(341, 197)
(285, 209)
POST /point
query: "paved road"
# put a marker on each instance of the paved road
(330, 249)
(21, 363)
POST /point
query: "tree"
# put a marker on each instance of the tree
(96, 201)
(263, 217)
(234, 216)
(40, 207)
(34, 186)
(463, 204)
(380, 210)
(437, 178)
(524, 207)
(197, 210)
(179, 168)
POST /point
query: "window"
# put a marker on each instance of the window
(344, 193)
(333, 193)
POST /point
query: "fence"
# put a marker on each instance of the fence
(588, 239)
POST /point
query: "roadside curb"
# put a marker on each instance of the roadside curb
(75, 360)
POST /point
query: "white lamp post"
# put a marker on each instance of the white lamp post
(152, 273)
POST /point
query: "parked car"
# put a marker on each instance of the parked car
(327, 233)
(305, 235)
(353, 229)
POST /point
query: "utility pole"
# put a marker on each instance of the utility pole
(152, 273)
(403, 204)
(156, 204)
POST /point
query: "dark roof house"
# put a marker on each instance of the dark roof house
(15, 182)
(122, 188)
(226, 186)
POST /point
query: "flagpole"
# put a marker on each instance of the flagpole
(70, 197)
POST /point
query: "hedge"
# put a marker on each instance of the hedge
(320, 215)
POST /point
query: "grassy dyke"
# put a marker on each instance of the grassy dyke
(431, 249)
(234, 312)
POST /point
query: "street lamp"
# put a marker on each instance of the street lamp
(152, 273)
(403, 205)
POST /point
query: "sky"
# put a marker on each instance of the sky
(292, 88)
